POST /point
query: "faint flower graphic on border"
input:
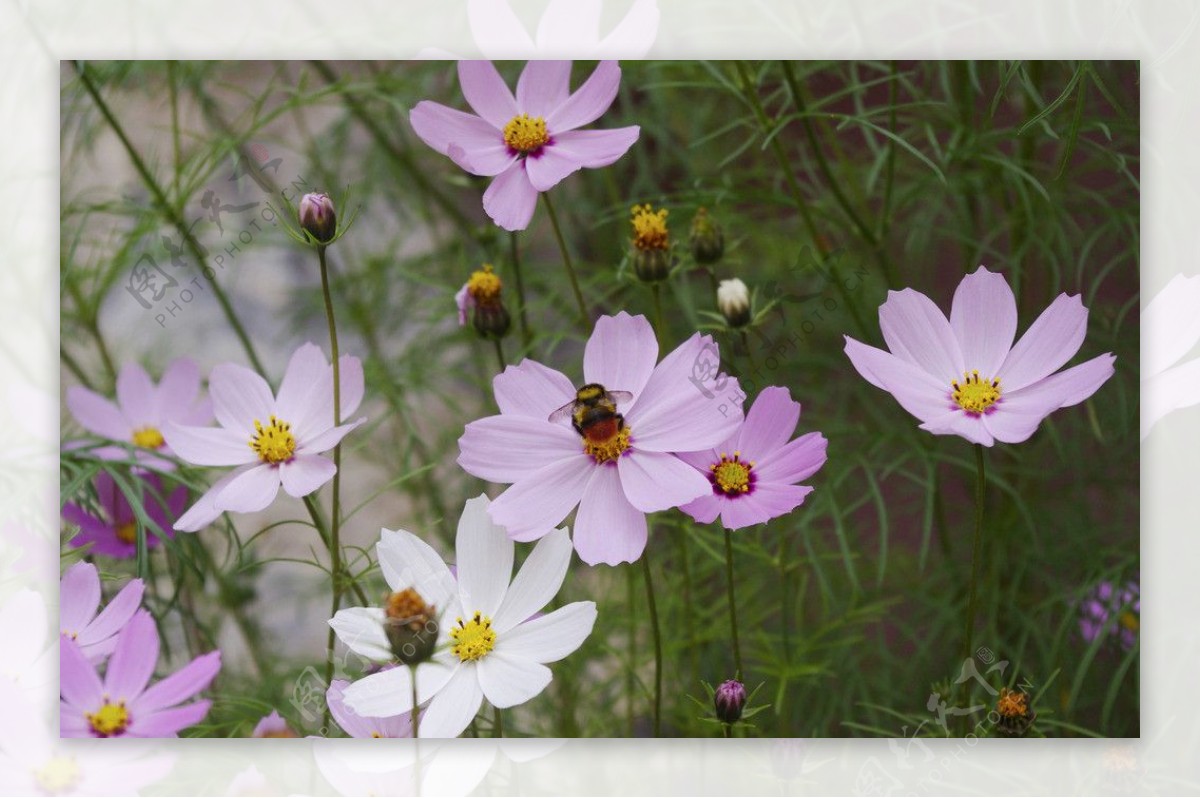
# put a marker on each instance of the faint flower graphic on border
(1170, 328)
(407, 767)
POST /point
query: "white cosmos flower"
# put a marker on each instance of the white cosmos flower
(487, 643)
(1170, 328)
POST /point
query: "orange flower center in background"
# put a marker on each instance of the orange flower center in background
(484, 286)
(273, 443)
(525, 133)
(975, 394)
(650, 227)
(148, 438)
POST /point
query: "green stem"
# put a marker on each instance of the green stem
(733, 624)
(688, 614)
(514, 255)
(653, 607)
(970, 620)
(500, 354)
(785, 591)
(498, 725)
(656, 290)
(172, 215)
(631, 617)
(562, 245)
(415, 710)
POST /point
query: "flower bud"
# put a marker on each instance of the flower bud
(481, 295)
(706, 239)
(729, 700)
(733, 300)
(317, 217)
(651, 243)
(411, 626)
(1016, 716)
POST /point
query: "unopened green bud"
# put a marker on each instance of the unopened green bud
(651, 243)
(706, 239)
(411, 626)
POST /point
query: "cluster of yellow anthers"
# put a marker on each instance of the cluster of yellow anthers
(650, 227)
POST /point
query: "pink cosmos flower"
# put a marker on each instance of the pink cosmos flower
(356, 725)
(616, 468)
(272, 725)
(965, 376)
(142, 410)
(528, 142)
(753, 473)
(121, 705)
(271, 440)
(79, 599)
(114, 532)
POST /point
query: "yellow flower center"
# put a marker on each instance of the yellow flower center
(732, 477)
(376, 734)
(975, 394)
(58, 776)
(273, 443)
(110, 720)
(473, 639)
(609, 448)
(127, 533)
(484, 286)
(148, 438)
(1012, 703)
(1129, 620)
(525, 133)
(650, 227)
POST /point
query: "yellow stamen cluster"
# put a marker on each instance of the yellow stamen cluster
(110, 720)
(58, 776)
(1012, 703)
(273, 443)
(525, 133)
(975, 394)
(406, 607)
(127, 533)
(1129, 620)
(148, 438)
(611, 449)
(484, 286)
(732, 476)
(650, 227)
(473, 639)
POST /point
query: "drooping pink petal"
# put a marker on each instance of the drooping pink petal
(116, 615)
(466, 139)
(984, 318)
(1019, 413)
(169, 722)
(205, 510)
(957, 422)
(78, 682)
(210, 446)
(510, 200)
(305, 473)
(550, 637)
(917, 331)
(917, 391)
(655, 481)
(797, 460)
(507, 682)
(1170, 324)
(705, 509)
(621, 352)
(249, 491)
(177, 391)
(1053, 339)
(769, 423)
(508, 448)
(575, 150)
(485, 559)
(531, 389)
(769, 500)
(538, 503)
(79, 597)
(454, 707)
(543, 86)
(608, 529)
(686, 405)
(180, 685)
(133, 660)
(465, 302)
(97, 415)
(240, 397)
(486, 92)
(537, 582)
(589, 101)
(136, 394)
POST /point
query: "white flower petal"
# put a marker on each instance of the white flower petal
(407, 561)
(484, 556)
(454, 707)
(389, 693)
(361, 629)
(508, 682)
(537, 582)
(551, 637)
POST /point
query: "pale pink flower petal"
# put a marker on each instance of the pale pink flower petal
(621, 353)
(917, 331)
(133, 660)
(543, 86)
(769, 423)
(578, 149)
(96, 414)
(984, 318)
(472, 143)
(539, 502)
(796, 460)
(511, 199)
(508, 448)
(590, 101)
(531, 389)
(209, 446)
(239, 397)
(608, 529)
(656, 481)
(303, 474)
(135, 394)
(250, 491)
(917, 391)
(486, 92)
(181, 685)
(1053, 339)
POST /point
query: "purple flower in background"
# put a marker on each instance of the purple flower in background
(528, 142)
(273, 726)
(114, 532)
(122, 705)
(79, 597)
(356, 725)
(753, 473)
(965, 376)
(1109, 611)
(142, 410)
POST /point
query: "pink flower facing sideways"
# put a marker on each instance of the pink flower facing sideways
(79, 597)
(142, 410)
(615, 470)
(121, 704)
(528, 142)
(965, 376)
(271, 440)
(113, 532)
(753, 473)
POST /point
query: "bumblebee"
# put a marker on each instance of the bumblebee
(593, 412)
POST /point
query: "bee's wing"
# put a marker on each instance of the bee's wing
(562, 414)
(621, 397)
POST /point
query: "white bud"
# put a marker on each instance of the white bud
(733, 300)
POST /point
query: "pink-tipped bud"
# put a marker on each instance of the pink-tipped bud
(730, 700)
(317, 217)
